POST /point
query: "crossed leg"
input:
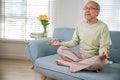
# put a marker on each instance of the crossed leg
(67, 62)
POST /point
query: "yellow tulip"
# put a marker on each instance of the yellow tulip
(43, 17)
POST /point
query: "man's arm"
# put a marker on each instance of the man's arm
(104, 43)
(74, 41)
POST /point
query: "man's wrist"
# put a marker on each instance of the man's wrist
(60, 44)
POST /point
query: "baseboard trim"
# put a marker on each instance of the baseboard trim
(13, 57)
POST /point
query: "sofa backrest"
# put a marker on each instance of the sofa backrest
(115, 48)
(65, 34)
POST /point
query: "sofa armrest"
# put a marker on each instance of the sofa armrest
(39, 48)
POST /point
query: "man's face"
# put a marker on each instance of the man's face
(90, 11)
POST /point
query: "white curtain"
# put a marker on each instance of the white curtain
(19, 18)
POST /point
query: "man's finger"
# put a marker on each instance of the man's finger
(51, 42)
(107, 54)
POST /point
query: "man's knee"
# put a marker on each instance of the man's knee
(98, 64)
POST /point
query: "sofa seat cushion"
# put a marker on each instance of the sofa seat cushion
(46, 65)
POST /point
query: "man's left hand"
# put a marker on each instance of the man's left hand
(104, 55)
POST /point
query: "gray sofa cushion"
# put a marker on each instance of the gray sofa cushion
(46, 65)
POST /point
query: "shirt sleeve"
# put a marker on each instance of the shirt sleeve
(74, 41)
(105, 40)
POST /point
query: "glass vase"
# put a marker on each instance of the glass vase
(45, 31)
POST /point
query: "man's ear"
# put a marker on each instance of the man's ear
(97, 12)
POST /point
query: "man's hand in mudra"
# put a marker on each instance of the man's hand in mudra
(104, 55)
(55, 42)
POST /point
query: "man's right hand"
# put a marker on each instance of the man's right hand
(55, 42)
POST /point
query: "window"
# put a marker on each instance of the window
(110, 13)
(19, 17)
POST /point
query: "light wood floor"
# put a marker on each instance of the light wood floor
(17, 70)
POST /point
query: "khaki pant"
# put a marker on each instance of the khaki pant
(80, 61)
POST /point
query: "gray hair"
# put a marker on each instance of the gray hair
(97, 5)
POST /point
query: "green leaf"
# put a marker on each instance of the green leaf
(44, 22)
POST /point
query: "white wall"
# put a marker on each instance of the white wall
(13, 49)
(68, 13)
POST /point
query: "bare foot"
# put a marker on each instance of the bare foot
(98, 70)
(63, 63)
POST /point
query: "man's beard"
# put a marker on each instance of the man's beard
(88, 19)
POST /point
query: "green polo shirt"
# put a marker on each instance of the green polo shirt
(92, 38)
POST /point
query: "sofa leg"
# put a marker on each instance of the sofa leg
(33, 67)
(44, 77)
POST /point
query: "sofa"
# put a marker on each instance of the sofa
(43, 57)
